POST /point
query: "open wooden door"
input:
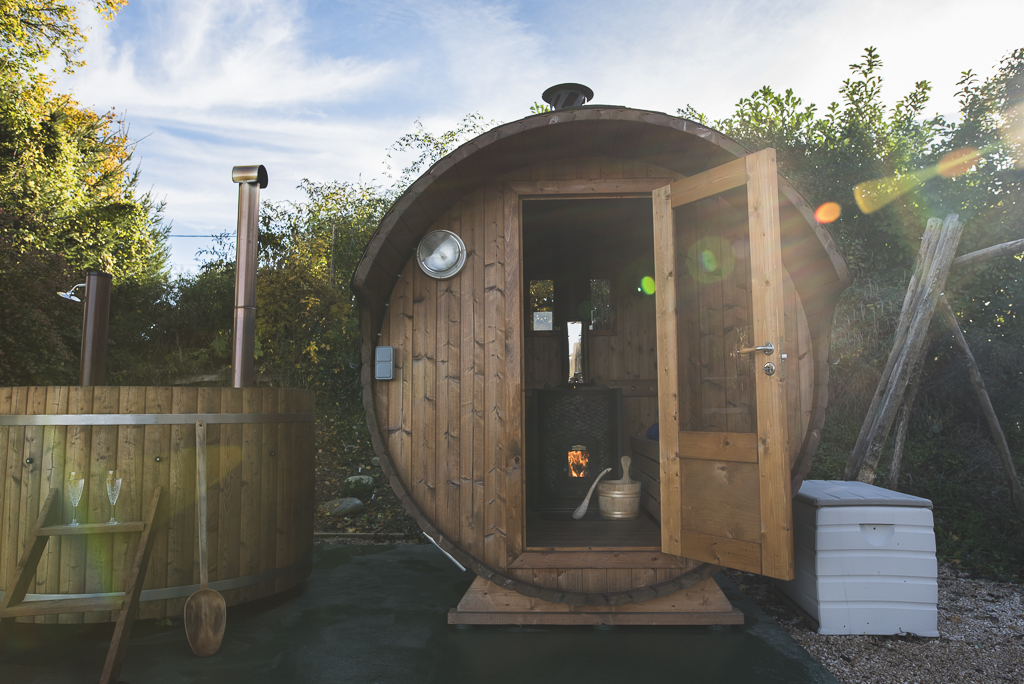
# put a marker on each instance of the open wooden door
(725, 480)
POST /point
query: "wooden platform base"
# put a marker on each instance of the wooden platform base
(488, 604)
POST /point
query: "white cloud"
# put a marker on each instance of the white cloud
(320, 89)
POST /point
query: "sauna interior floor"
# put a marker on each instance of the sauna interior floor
(560, 531)
(379, 614)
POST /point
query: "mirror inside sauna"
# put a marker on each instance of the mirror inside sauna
(590, 368)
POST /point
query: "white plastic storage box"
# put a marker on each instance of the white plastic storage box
(865, 559)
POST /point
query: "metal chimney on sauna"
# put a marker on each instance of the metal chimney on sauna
(250, 180)
(566, 95)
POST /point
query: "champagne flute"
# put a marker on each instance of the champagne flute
(76, 485)
(113, 489)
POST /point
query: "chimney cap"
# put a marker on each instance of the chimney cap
(566, 95)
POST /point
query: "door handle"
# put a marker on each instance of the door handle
(768, 349)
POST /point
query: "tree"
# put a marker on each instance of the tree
(30, 30)
(68, 197)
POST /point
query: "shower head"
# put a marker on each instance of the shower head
(69, 296)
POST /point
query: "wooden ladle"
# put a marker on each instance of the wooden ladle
(582, 510)
(206, 614)
(626, 461)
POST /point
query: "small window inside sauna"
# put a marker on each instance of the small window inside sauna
(600, 304)
(542, 305)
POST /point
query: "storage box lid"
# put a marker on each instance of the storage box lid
(820, 493)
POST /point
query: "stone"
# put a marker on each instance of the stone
(339, 508)
(375, 461)
(360, 480)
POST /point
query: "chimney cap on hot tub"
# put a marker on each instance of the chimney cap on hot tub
(566, 95)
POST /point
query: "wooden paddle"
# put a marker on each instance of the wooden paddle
(206, 614)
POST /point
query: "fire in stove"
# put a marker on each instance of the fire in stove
(578, 459)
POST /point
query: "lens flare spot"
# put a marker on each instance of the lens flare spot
(827, 212)
(647, 285)
(958, 162)
(874, 194)
(710, 259)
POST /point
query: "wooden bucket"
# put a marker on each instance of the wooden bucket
(618, 501)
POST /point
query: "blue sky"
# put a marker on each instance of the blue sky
(320, 89)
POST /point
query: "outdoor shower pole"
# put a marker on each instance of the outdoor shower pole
(250, 180)
(95, 323)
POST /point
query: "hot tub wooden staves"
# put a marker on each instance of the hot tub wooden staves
(568, 212)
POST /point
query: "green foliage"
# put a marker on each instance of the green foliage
(39, 338)
(904, 157)
(432, 147)
(30, 30)
(68, 199)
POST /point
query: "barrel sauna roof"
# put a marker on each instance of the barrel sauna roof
(682, 146)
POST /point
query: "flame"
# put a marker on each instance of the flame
(578, 463)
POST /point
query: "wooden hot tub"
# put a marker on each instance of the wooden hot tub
(260, 472)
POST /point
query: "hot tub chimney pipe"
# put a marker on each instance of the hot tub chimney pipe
(95, 324)
(250, 180)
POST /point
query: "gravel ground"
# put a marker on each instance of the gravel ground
(981, 627)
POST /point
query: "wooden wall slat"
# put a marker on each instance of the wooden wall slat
(54, 453)
(401, 392)
(32, 476)
(156, 472)
(448, 461)
(284, 494)
(515, 399)
(791, 369)
(252, 487)
(130, 504)
(103, 457)
(469, 309)
(230, 522)
(72, 548)
(6, 394)
(424, 392)
(268, 486)
(12, 487)
(181, 497)
(712, 326)
(210, 402)
(494, 400)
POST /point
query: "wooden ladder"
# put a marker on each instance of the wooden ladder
(14, 604)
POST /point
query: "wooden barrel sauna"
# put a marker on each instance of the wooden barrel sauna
(601, 206)
(260, 475)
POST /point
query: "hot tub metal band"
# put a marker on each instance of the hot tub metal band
(103, 419)
(304, 564)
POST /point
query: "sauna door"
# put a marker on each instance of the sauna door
(725, 482)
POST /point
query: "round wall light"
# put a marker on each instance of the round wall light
(441, 254)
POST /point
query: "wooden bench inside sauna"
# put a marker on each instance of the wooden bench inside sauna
(559, 285)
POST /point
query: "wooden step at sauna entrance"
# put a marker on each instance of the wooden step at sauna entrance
(14, 604)
(485, 603)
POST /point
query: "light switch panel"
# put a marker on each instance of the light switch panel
(384, 363)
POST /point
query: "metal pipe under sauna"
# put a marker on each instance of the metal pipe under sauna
(250, 180)
(95, 326)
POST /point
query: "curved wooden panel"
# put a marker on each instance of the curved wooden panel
(260, 474)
